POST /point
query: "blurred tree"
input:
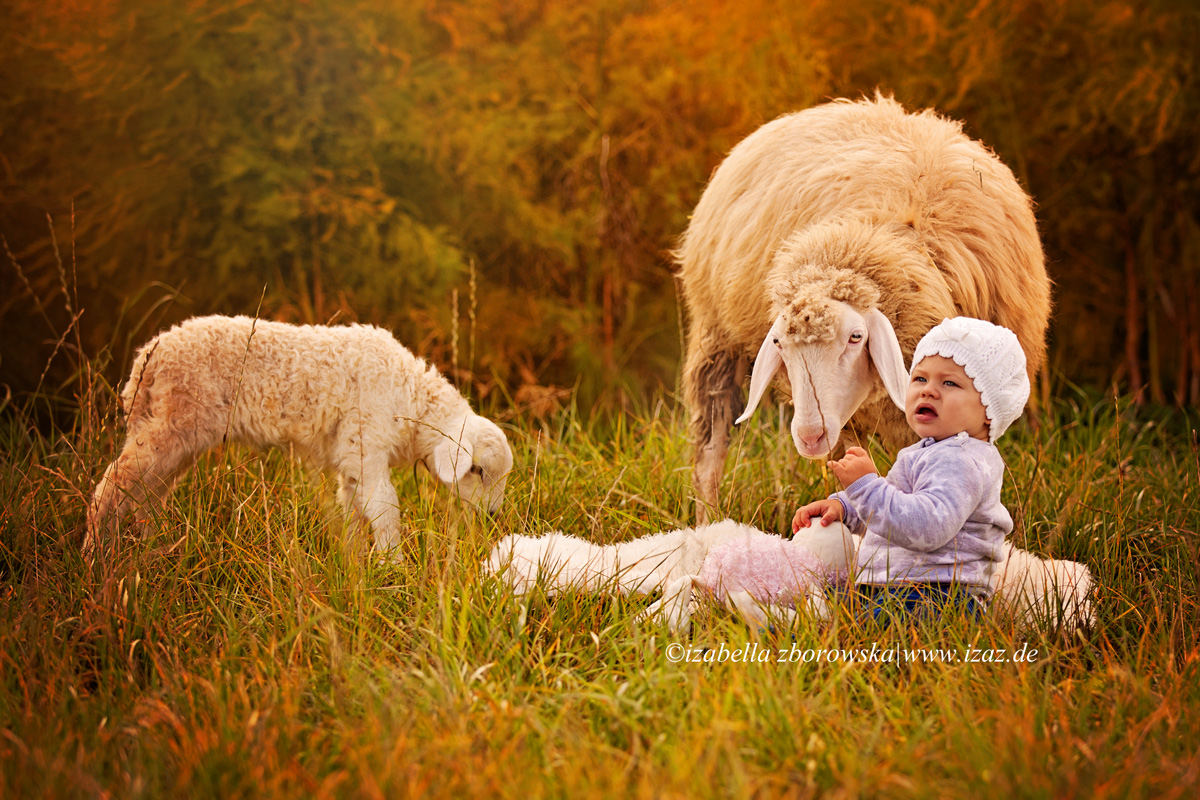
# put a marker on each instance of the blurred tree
(359, 157)
(1094, 105)
(582, 135)
(222, 148)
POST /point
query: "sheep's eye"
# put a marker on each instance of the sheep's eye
(776, 342)
(855, 337)
(477, 470)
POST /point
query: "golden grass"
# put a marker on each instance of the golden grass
(240, 648)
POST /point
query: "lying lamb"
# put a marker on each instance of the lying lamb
(350, 399)
(759, 574)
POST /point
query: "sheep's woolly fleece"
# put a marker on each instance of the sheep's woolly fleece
(803, 285)
(929, 216)
(760, 575)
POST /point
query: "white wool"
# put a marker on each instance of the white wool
(638, 566)
(1038, 591)
(348, 399)
(1032, 590)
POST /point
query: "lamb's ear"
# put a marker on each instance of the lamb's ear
(885, 354)
(766, 364)
(451, 461)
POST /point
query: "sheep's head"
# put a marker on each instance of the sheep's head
(828, 335)
(474, 460)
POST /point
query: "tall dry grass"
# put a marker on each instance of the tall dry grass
(240, 648)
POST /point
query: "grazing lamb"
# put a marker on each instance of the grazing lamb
(830, 241)
(350, 399)
(761, 575)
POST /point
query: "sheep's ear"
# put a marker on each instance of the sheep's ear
(452, 461)
(766, 364)
(885, 354)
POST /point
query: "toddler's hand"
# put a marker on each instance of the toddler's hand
(828, 510)
(853, 466)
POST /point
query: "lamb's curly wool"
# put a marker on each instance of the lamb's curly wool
(819, 219)
(639, 566)
(350, 399)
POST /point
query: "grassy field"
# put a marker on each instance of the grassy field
(240, 649)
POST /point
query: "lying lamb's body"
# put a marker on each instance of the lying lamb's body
(708, 558)
(829, 241)
(646, 564)
(760, 574)
(1037, 591)
(350, 399)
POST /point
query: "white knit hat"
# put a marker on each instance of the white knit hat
(993, 360)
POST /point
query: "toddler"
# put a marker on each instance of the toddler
(933, 530)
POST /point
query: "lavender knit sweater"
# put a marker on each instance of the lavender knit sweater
(936, 517)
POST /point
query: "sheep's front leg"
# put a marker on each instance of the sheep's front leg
(349, 487)
(383, 509)
(761, 615)
(673, 607)
(372, 499)
(713, 390)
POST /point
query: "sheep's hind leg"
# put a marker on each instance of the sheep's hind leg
(714, 393)
(138, 481)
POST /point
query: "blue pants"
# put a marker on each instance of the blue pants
(917, 601)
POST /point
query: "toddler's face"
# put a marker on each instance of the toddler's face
(941, 401)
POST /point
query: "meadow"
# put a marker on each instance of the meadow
(519, 170)
(240, 648)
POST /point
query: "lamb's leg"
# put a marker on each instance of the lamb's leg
(744, 604)
(713, 391)
(349, 488)
(673, 607)
(139, 480)
(370, 496)
(383, 509)
(761, 616)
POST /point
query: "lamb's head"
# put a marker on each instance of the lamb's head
(473, 459)
(829, 336)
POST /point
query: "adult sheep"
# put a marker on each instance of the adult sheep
(829, 241)
(350, 399)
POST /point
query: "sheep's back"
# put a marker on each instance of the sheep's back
(270, 382)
